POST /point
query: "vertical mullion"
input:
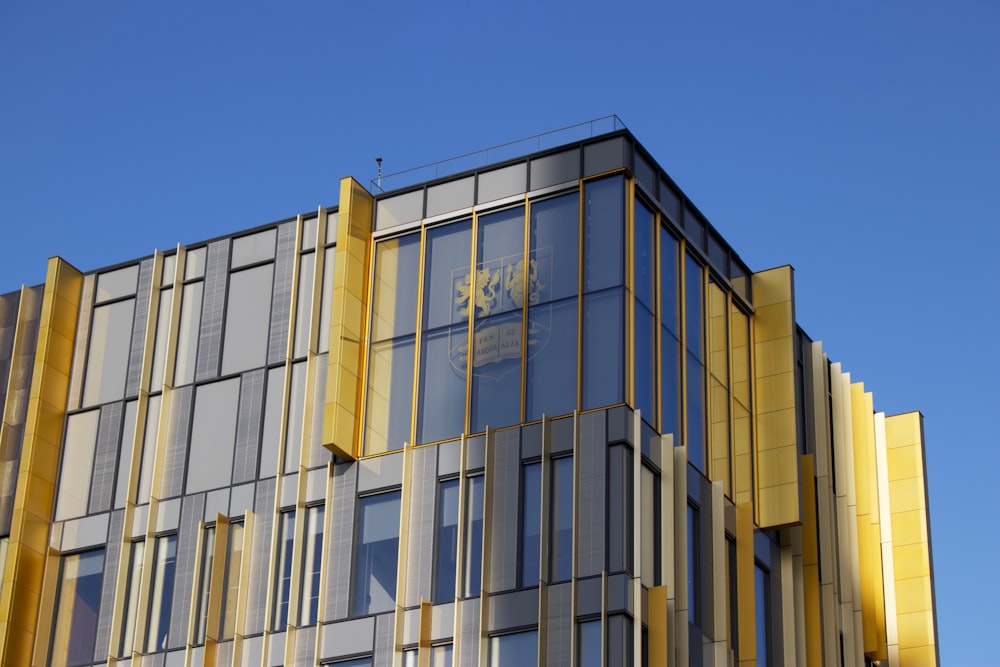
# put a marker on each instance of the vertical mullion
(471, 324)
(524, 305)
(418, 337)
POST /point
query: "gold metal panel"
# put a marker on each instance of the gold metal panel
(916, 629)
(344, 389)
(659, 650)
(909, 528)
(773, 322)
(904, 462)
(35, 491)
(919, 656)
(812, 611)
(746, 653)
(912, 594)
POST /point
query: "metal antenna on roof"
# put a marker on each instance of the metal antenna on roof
(378, 160)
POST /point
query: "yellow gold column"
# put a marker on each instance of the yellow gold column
(659, 649)
(777, 459)
(911, 545)
(810, 566)
(347, 321)
(746, 654)
(37, 473)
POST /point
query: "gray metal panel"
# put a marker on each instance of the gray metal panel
(621, 425)
(589, 596)
(420, 549)
(224, 653)
(506, 510)
(260, 557)
(82, 339)
(468, 643)
(192, 511)
(176, 444)
(248, 421)
(111, 553)
(380, 472)
(385, 626)
(139, 328)
(591, 495)
(347, 638)
(213, 308)
(8, 324)
(102, 482)
(513, 610)
(604, 156)
(555, 169)
(559, 643)
(305, 647)
(340, 528)
(281, 297)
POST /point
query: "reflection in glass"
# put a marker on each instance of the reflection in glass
(254, 248)
(473, 535)
(762, 609)
(248, 314)
(162, 593)
(394, 291)
(531, 529)
(311, 563)
(204, 583)
(645, 363)
(514, 650)
(550, 373)
(390, 395)
(441, 409)
(447, 541)
(561, 520)
(326, 300)
(132, 599)
(77, 464)
(156, 377)
(668, 281)
(303, 305)
(446, 274)
(283, 572)
(696, 412)
(694, 310)
(107, 361)
(670, 381)
(644, 255)
(603, 349)
(588, 643)
(441, 655)
(496, 372)
(604, 234)
(377, 554)
(213, 435)
(231, 582)
(77, 609)
(116, 284)
(148, 448)
(554, 239)
(296, 417)
(194, 264)
(272, 422)
(187, 333)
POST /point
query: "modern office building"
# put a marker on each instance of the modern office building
(535, 412)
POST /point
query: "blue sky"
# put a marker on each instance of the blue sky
(857, 141)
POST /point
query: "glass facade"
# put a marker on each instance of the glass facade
(354, 437)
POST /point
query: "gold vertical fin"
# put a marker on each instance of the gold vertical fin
(424, 633)
(34, 495)
(777, 457)
(746, 653)
(347, 321)
(659, 612)
(916, 619)
(810, 566)
(680, 636)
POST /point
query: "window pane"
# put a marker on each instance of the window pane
(394, 292)
(77, 464)
(377, 554)
(473, 535)
(194, 264)
(619, 509)
(441, 656)
(762, 604)
(248, 314)
(148, 447)
(272, 422)
(187, 333)
(132, 599)
(643, 254)
(561, 520)
(390, 395)
(78, 609)
(696, 412)
(496, 375)
(162, 593)
(231, 586)
(213, 436)
(588, 647)
(555, 238)
(668, 280)
(107, 362)
(670, 382)
(116, 284)
(311, 562)
(446, 274)
(499, 263)
(296, 417)
(283, 572)
(531, 530)
(603, 337)
(447, 541)
(514, 650)
(442, 384)
(326, 302)
(694, 310)
(254, 248)
(604, 232)
(645, 363)
(303, 306)
(550, 378)
(205, 579)
(160, 346)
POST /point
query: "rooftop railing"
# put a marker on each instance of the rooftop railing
(498, 153)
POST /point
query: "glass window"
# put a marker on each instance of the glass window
(762, 609)
(283, 572)
(248, 314)
(254, 248)
(194, 264)
(394, 292)
(732, 599)
(588, 643)
(696, 412)
(204, 583)
(272, 422)
(213, 435)
(441, 412)
(670, 381)
(309, 228)
(550, 373)
(116, 284)
(447, 278)
(326, 302)
(554, 238)
(77, 609)
(132, 586)
(390, 395)
(187, 333)
(645, 363)
(296, 418)
(303, 306)
(603, 349)
(77, 464)
(473, 535)
(441, 655)
(231, 582)
(312, 561)
(447, 541)
(514, 650)
(156, 378)
(149, 447)
(619, 509)
(694, 566)
(561, 520)
(107, 361)
(644, 246)
(668, 281)
(162, 593)
(604, 234)
(377, 554)
(169, 270)
(531, 529)
(694, 308)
